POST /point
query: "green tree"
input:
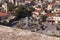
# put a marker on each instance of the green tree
(43, 17)
(42, 1)
(22, 12)
(31, 8)
(10, 6)
(0, 4)
(58, 25)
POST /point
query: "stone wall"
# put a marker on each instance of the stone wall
(7, 33)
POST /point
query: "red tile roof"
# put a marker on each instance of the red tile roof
(39, 11)
(3, 14)
(49, 15)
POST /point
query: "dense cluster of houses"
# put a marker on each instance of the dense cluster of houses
(49, 8)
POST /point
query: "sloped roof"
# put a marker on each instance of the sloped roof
(38, 10)
(3, 14)
(50, 14)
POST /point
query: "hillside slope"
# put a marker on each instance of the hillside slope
(7, 33)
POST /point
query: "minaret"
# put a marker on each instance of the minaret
(16, 3)
(6, 7)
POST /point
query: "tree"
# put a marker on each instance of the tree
(10, 6)
(22, 12)
(58, 25)
(42, 1)
(43, 17)
(0, 4)
(33, 2)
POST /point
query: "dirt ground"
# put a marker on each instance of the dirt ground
(7, 33)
